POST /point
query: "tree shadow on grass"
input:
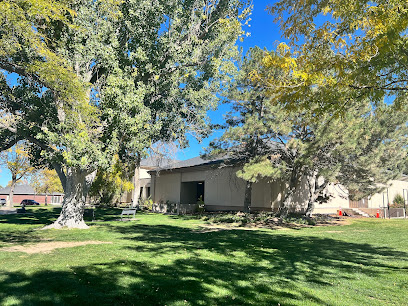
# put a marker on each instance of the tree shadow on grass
(47, 216)
(228, 267)
(285, 252)
(32, 216)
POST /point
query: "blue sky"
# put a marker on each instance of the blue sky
(264, 33)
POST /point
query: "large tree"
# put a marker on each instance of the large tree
(362, 149)
(150, 72)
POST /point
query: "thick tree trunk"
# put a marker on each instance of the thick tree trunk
(76, 189)
(248, 196)
(11, 193)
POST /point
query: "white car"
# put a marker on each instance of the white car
(2, 202)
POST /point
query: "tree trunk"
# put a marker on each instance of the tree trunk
(136, 184)
(310, 207)
(76, 189)
(288, 198)
(315, 189)
(284, 209)
(248, 196)
(11, 193)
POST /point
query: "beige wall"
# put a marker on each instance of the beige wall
(224, 191)
(266, 196)
(338, 199)
(143, 174)
(167, 187)
(395, 187)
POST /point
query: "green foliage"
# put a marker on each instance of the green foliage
(46, 181)
(150, 72)
(152, 77)
(110, 185)
(361, 149)
(147, 203)
(16, 160)
(26, 49)
(398, 201)
(340, 54)
(259, 219)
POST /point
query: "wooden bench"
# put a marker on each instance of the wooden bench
(127, 212)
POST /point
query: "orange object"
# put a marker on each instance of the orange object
(340, 213)
(378, 213)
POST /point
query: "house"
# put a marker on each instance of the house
(24, 191)
(220, 189)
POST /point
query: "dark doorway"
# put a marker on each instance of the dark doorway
(191, 192)
(200, 191)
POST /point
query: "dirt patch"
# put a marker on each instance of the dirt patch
(48, 247)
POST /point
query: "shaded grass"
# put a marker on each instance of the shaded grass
(166, 260)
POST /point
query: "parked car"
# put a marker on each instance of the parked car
(2, 202)
(28, 202)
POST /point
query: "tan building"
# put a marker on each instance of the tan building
(144, 182)
(188, 181)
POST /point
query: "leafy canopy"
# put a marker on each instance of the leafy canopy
(151, 71)
(25, 50)
(340, 52)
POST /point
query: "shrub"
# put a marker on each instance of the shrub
(147, 203)
(398, 201)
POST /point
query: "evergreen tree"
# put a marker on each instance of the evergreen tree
(360, 150)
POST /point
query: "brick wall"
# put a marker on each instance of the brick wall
(17, 198)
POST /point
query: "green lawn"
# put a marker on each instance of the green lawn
(170, 260)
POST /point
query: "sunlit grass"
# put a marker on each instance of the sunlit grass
(170, 260)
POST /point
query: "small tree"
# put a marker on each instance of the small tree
(46, 181)
(398, 201)
(17, 160)
(110, 185)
